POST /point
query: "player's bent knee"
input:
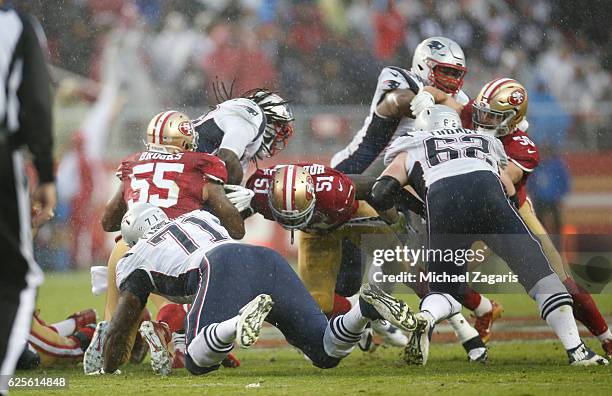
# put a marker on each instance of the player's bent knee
(194, 369)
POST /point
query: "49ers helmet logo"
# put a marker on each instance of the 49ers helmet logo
(186, 128)
(517, 97)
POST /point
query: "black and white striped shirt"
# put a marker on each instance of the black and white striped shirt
(25, 98)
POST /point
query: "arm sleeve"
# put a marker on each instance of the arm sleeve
(139, 284)
(213, 168)
(35, 103)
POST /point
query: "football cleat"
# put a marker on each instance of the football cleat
(230, 361)
(159, 338)
(390, 334)
(583, 356)
(476, 350)
(93, 359)
(484, 323)
(365, 343)
(179, 350)
(417, 350)
(390, 308)
(478, 355)
(607, 347)
(251, 320)
(84, 318)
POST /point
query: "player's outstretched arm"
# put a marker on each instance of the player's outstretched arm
(122, 328)
(214, 195)
(363, 184)
(440, 97)
(113, 212)
(232, 164)
(396, 104)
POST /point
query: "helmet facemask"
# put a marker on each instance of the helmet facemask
(291, 197)
(445, 76)
(492, 122)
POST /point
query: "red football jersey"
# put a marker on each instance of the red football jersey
(172, 182)
(334, 193)
(520, 149)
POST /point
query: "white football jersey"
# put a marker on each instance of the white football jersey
(378, 131)
(447, 152)
(236, 124)
(170, 253)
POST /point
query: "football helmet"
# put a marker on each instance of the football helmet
(279, 120)
(437, 117)
(440, 62)
(292, 197)
(139, 219)
(500, 106)
(171, 130)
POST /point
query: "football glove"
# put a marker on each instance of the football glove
(422, 101)
(239, 196)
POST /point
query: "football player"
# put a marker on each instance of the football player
(169, 174)
(194, 259)
(499, 110)
(321, 202)
(253, 126)
(465, 195)
(437, 62)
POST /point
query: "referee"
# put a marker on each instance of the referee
(25, 122)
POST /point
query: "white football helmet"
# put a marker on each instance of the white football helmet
(440, 62)
(279, 120)
(138, 220)
(437, 117)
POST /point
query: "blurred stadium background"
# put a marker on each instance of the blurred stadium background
(116, 63)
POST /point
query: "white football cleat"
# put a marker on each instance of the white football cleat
(390, 334)
(159, 338)
(390, 308)
(251, 320)
(417, 350)
(583, 356)
(93, 358)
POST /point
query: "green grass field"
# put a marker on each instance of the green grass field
(514, 368)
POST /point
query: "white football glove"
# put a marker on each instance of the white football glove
(422, 101)
(239, 196)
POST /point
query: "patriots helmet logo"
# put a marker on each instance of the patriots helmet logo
(435, 45)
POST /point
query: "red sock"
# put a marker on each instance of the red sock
(341, 306)
(471, 298)
(585, 309)
(173, 315)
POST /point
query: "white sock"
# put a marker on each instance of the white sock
(462, 328)
(338, 342)
(483, 307)
(179, 342)
(206, 349)
(440, 306)
(563, 324)
(226, 330)
(353, 321)
(65, 327)
(606, 335)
